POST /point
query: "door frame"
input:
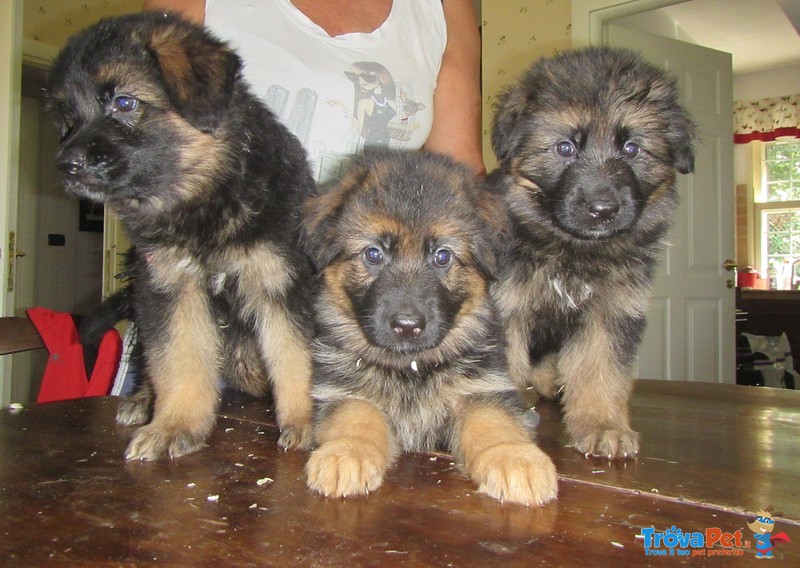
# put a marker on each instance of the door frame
(590, 16)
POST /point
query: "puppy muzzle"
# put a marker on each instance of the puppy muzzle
(87, 163)
(598, 204)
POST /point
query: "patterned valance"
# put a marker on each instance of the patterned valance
(766, 119)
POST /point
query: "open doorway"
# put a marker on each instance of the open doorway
(61, 258)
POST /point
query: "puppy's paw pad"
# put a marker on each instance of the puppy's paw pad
(610, 443)
(345, 467)
(517, 473)
(296, 437)
(152, 443)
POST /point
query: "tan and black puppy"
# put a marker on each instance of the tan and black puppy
(409, 355)
(157, 124)
(589, 142)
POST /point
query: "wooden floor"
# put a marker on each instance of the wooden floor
(711, 456)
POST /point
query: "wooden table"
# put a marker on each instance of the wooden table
(711, 456)
(18, 334)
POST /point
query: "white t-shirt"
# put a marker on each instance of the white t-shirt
(338, 94)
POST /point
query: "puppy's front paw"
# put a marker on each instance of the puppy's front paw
(296, 437)
(346, 466)
(515, 472)
(153, 442)
(611, 443)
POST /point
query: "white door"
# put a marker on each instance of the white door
(690, 333)
(23, 366)
(26, 206)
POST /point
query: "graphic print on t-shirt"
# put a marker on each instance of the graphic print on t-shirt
(381, 114)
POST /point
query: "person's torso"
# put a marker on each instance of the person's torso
(338, 94)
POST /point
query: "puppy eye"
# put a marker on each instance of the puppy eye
(125, 103)
(566, 149)
(373, 256)
(630, 149)
(442, 257)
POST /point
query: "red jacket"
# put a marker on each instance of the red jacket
(65, 374)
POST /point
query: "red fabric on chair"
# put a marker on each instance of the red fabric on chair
(65, 373)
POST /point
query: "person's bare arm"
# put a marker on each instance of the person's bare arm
(193, 10)
(457, 101)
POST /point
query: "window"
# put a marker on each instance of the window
(777, 205)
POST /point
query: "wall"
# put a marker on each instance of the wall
(516, 33)
(764, 84)
(52, 23)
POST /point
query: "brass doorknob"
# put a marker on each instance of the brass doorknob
(730, 265)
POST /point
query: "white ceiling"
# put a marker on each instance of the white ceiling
(761, 34)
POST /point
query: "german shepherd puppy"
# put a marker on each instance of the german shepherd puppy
(157, 124)
(410, 352)
(589, 142)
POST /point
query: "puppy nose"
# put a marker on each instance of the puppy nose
(603, 209)
(71, 162)
(407, 325)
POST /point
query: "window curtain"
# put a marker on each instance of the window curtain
(766, 119)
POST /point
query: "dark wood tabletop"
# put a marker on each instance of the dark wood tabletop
(712, 455)
(18, 334)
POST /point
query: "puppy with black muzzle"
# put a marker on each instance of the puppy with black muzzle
(409, 355)
(589, 143)
(157, 124)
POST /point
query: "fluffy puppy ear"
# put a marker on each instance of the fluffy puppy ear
(680, 131)
(682, 136)
(508, 127)
(199, 71)
(321, 236)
